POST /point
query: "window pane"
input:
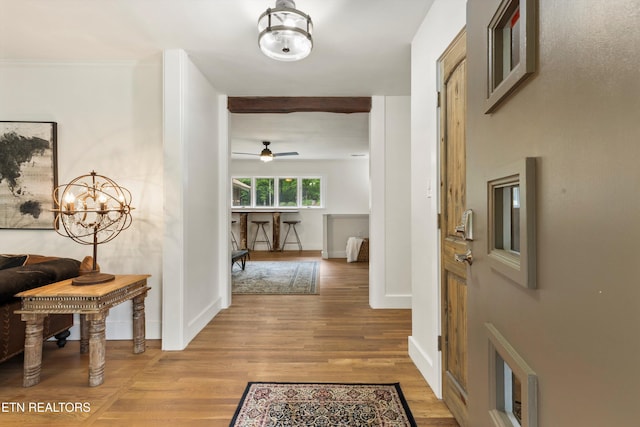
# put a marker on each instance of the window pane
(288, 192)
(311, 192)
(241, 192)
(507, 218)
(265, 191)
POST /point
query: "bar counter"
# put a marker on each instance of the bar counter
(275, 228)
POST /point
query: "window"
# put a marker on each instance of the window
(511, 53)
(288, 192)
(241, 192)
(513, 385)
(507, 218)
(277, 192)
(311, 192)
(265, 192)
(512, 219)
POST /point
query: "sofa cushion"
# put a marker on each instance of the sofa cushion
(36, 259)
(18, 279)
(10, 261)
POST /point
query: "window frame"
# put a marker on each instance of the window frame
(276, 196)
(238, 178)
(255, 192)
(298, 190)
(520, 267)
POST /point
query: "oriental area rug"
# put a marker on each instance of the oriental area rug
(276, 277)
(315, 405)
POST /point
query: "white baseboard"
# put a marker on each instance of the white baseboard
(391, 302)
(429, 369)
(201, 320)
(337, 254)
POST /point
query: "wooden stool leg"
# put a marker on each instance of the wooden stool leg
(297, 237)
(97, 350)
(234, 241)
(253, 245)
(284, 242)
(139, 341)
(32, 348)
(266, 237)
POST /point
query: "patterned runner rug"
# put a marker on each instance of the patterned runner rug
(276, 277)
(315, 405)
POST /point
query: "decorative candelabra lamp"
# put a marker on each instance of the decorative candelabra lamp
(92, 209)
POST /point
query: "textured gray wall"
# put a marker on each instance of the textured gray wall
(579, 115)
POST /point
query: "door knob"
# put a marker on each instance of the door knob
(465, 257)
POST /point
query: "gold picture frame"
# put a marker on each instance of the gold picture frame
(511, 54)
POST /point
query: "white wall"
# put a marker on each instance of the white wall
(443, 22)
(389, 266)
(109, 119)
(388, 184)
(337, 231)
(398, 197)
(193, 216)
(346, 190)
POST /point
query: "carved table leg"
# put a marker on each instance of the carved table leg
(97, 347)
(32, 348)
(139, 342)
(84, 334)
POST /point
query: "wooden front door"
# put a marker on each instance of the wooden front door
(453, 108)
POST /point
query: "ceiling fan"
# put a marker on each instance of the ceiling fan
(266, 155)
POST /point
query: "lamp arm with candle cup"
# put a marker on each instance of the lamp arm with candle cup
(92, 209)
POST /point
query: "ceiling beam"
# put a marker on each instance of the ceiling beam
(291, 104)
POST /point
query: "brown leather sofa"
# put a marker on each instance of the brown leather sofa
(36, 271)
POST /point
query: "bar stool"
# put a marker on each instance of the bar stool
(260, 226)
(292, 224)
(234, 241)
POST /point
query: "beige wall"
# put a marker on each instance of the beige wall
(579, 116)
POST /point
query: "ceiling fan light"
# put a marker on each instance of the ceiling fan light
(285, 32)
(266, 155)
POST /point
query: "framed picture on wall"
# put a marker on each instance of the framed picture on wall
(28, 174)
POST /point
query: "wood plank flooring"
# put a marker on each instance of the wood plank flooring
(330, 337)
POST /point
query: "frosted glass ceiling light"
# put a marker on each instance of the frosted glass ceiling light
(285, 32)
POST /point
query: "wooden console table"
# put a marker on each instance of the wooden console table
(92, 302)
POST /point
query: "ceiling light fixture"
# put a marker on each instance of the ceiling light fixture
(266, 155)
(285, 32)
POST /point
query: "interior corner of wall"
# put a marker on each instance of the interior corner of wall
(428, 367)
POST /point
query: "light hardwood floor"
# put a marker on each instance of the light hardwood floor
(330, 337)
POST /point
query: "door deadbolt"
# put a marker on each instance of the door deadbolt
(465, 228)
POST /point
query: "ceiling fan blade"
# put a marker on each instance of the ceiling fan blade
(290, 153)
(248, 154)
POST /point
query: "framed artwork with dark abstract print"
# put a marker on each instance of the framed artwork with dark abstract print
(28, 174)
